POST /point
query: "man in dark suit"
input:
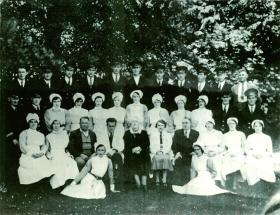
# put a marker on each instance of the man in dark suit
(68, 85)
(35, 107)
(223, 111)
(114, 82)
(14, 123)
(182, 148)
(45, 86)
(21, 85)
(82, 142)
(221, 85)
(90, 84)
(201, 86)
(251, 111)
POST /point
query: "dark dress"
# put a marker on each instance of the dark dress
(136, 164)
(182, 144)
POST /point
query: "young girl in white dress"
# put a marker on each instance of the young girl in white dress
(259, 163)
(77, 111)
(88, 184)
(201, 115)
(178, 115)
(34, 165)
(65, 167)
(202, 176)
(137, 110)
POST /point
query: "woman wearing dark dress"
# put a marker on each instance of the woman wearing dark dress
(136, 154)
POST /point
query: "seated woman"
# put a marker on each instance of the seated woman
(203, 172)
(201, 115)
(118, 112)
(258, 162)
(33, 164)
(136, 153)
(211, 140)
(160, 151)
(157, 113)
(65, 167)
(98, 116)
(56, 112)
(233, 155)
(137, 109)
(88, 184)
(77, 111)
(178, 115)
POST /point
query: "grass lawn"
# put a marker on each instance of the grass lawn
(247, 201)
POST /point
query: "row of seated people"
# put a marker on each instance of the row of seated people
(162, 82)
(193, 160)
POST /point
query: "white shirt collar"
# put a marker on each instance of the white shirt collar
(86, 133)
(133, 132)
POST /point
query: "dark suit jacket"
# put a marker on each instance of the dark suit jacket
(207, 90)
(22, 92)
(67, 91)
(246, 118)
(183, 144)
(75, 146)
(217, 92)
(221, 117)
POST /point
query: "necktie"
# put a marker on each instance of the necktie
(251, 109)
(49, 84)
(220, 86)
(111, 139)
(199, 87)
(91, 81)
(160, 138)
(225, 108)
(242, 90)
(116, 78)
(38, 107)
(186, 134)
(21, 83)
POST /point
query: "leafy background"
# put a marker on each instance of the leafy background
(232, 34)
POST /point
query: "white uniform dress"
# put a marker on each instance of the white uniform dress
(199, 117)
(65, 167)
(234, 158)
(202, 184)
(119, 114)
(75, 115)
(177, 117)
(99, 116)
(31, 169)
(258, 168)
(90, 187)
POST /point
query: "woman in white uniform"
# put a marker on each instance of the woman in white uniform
(233, 155)
(65, 167)
(178, 115)
(77, 111)
(201, 115)
(33, 164)
(88, 184)
(259, 163)
(203, 172)
(157, 113)
(118, 112)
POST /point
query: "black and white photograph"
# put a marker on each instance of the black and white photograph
(140, 107)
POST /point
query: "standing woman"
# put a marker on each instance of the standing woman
(34, 165)
(234, 146)
(65, 167)
(77, 111)
(160, 151)
(137, 110)
(178, 115)
(98, 116)
(201, 115)
(56, 112)
(157, 113)
(258, 149)
(136, 153)
(118, 112)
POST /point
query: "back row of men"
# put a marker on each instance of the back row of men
(162, 82)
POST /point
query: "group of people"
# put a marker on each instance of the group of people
(215, 133)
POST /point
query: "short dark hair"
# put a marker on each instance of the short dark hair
(111, 119)
(56, 120)
(99, 146)
(84, 117)
(199, 147)
(162, 122)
